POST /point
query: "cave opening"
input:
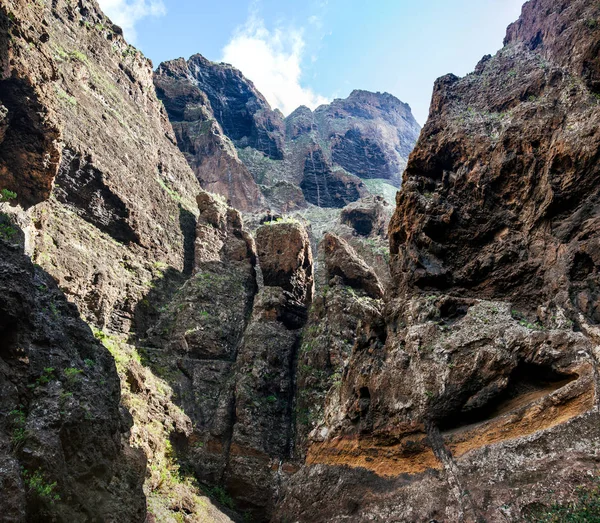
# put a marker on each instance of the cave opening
(527, 383)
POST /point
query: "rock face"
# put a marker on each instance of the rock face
(460, 386)
(324, 187)
(236, 347)
(531, 144)
(367, 216)
(472, 395)
(370, 134)
(106, 206)
(263, 436)
(326, 153)
(86, 98)
(242, 112)
(209, 151)
(63, 438)
(341, 260)
(286, 259)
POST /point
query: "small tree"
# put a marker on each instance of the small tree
(6, 195)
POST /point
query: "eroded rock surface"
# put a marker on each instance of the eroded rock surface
(86, 140)
(201, 138)
(523, 129)
(106, 205)
(235, 346)
(326, 153)
(370, 134)
(473, 393)
(63, 437)
(463, 386)
(242, 112)
(368, 216)
(341, 260)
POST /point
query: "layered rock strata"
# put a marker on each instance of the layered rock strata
(472, 395)
(326, 153)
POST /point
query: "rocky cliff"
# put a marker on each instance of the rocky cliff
(201, 137)
(472, 395)
(64, 444)
(451, 377)
(326, 153)
(105, 205)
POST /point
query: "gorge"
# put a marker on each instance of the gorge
(213, 312)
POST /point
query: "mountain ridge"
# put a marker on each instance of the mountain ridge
(367, 135)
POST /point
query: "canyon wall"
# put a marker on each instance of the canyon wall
(472, 395)
(290, 370)
(104, 204)
(266, 161)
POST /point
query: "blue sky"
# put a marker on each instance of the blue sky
(311, 51)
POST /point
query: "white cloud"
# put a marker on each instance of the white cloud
(126, 13)
(272, 60)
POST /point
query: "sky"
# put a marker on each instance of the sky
(308, 52)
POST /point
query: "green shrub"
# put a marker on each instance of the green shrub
(585, 509)
(45, 378)
(7, 231)
(36, 483)
(72, 376)
(63, 95)
(19, 432)
(285, 219)
(221, 496)
(6, 195)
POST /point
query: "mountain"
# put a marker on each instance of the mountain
(319, 158)
(167, 357)
(472, 396)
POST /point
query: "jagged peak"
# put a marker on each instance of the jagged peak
(303, 110)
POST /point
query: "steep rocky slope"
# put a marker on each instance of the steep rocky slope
(472, 395)
(208, 149)
(235, 345)
(205, 345)
(64, 452)
(326, 153)
(456, 381)
(80, 102)
(105, 204)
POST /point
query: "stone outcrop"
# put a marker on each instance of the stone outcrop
(241, 111)
(367, 216)
(64, 449)
(530, 143)
(80, 104)
(208, 150)
(472, 393)
(286, 259)
(324, 187)
(106, 205)
(235, 347)
(262, 441)
(370, 134)
(341, 260)
(462, 386)
(340, 306)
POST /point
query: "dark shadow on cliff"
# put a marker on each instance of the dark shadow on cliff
(149, 340)
(187, 222)
(52, 368)
(29, 152)
(147, 311)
